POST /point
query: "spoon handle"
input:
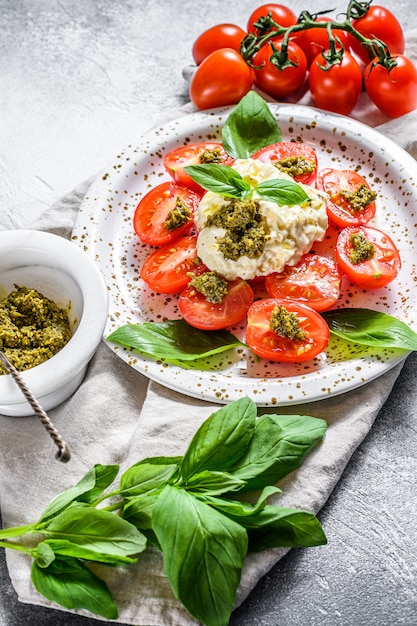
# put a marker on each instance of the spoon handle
(63, 453)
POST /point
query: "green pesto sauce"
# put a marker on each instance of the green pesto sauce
(360, 198)
(178, 216)
(286, 324)
(362, 248)
(245, 233)
(211, 156)
(32, 328)
(211, 285)
(295, 165)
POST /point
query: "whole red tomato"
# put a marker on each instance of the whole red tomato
(378, 23)
(279, 13)
(338, 88)
(315, 40)
(393, 91)
(223, 78)
(216, 37)
(275, 82)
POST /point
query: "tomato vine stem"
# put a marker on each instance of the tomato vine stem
(269, 30)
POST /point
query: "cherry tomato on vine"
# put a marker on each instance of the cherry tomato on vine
(378, 23)
(153, 210)
(288, 150)
(280, 83)
(338, 88)
(200, 313)
(216, 37)
(281, 14)
(315, 40)
(374, 272)
(393, 91)
(314, 281)
(223, 78)
(340, 184)
(167, 269)
(193, 154)
(268, 344)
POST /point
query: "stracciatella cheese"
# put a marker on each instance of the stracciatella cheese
(290, 230)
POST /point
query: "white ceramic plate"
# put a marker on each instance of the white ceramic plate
(104, 229)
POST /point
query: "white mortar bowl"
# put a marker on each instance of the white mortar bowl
(64, 273)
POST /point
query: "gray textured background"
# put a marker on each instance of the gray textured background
(78, 80)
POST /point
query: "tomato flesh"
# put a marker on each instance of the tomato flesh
(268, 344)
(375, 272)
(210, 316)
(287, 150)
(314, 281)
(176, 160)
(167, 269)
(339, 210)
(153, 210)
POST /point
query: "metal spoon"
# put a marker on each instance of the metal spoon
(63, 453)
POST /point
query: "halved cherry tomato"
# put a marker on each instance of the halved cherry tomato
(193, 154)
(377, 271)
(314, 40)
(291, 150)
(268, 344)
(339, 210)
(275, 82)
(208, 316)
(314, 281)
(153, 210)
(216, 37)
(378, 23)
(393, 91)
(338, 88)
(167, 269)
(223, 78)
(281, 14)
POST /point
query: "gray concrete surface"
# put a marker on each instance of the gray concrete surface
(78, 80)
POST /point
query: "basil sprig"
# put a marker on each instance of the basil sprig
(185, 507)
(371, 328)
(227, 182)
(249, 127)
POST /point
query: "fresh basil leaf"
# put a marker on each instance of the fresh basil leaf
(43, 554)
(203, 554)
(237, 508)
(221, 179)
(64, 547)
(213, 483)
(144, 477)
(97, 530)
(138, 511)
(250, 127)
(71, 584)
(173, 340)
(371, 328)
(86, 490)
(282, 192)
(279, 445)
(274, 527)
(221, 440)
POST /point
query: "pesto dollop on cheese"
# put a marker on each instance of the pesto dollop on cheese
(248, 238)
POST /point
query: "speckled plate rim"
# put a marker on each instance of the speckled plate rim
(104, 230)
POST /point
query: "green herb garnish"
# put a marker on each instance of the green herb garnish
(183, 506)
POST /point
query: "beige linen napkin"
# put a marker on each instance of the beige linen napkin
(117, 416)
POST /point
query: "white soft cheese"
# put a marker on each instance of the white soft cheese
(292, 230)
